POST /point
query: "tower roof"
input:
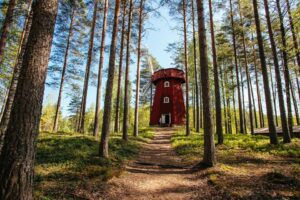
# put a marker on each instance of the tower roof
(170, 73)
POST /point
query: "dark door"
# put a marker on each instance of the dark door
(167, 119)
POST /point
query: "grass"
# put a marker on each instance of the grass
(68, 166)
(193, 146)
(248, 166)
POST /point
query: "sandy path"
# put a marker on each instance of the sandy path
(157, 173)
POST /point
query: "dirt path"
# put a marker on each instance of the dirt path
(157, 173)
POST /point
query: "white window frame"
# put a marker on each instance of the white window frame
(166, 84)
(166, 100)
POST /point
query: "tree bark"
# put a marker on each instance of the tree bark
(224, 99)
(13, 85)
(209, 158)
(274, 95)
(234, 108)
(272, 129)
(187, 125)
(55, 126)
(241, 130)
(295, 104)
(254, 106)
(294, 35)
(6, 26)
(101, 60)
(260, 110)
(138, 73)
(17, 156)
(247, 72)
(286, 136)
(243, 99)
(88, 68)
(103, 149)
(219, 128)
(127, 81)
(195, 71)
(116, 127)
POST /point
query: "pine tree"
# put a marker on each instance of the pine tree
(98, 100)
(103, 150)
(272, 129)
(17, 156)
(209, 158)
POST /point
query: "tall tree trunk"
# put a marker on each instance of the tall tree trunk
(88, 68)
(295, 104)
(103, 149)
(286, 137)
(298, 85)
(17, 156)
(233, 102)
(219, 128)
(209, 158)
(194, 108)
(200, 102)
(101, 60)
(224, 99)
(294, 35)
(55, 126)
(243, 99)
(260, 110)
(274, 95)
(272, 129)
(6, 26)
(254, 106)
(13, 85)
(138, 73)
(195, 71)
(117, 116)
(241, 130)
(127, 81)
(187, 126)
(247, 72)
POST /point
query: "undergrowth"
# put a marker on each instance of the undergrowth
(64, 161)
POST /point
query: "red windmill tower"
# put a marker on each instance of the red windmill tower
(168, 107)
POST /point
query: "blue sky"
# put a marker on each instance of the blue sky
(159, 34)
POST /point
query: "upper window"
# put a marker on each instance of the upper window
(166, 100)
(166, 84)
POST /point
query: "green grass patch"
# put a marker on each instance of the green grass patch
(193, 145)
(65, 161)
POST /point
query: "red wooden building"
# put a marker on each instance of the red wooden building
(168, 107)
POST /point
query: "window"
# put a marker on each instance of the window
(166, 100)
(166, 84)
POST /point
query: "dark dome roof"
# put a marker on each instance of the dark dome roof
(170, 73)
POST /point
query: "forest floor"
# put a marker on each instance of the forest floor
(162, 164)
(248, 168)
(157, 173)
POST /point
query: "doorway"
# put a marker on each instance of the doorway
(166, 119)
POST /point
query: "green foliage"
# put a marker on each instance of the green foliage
(47, 119)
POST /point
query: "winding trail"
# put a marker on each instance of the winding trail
(157, 173)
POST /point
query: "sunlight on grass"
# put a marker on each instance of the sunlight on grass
(193, 145)
(65, 161)
(247, 165)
